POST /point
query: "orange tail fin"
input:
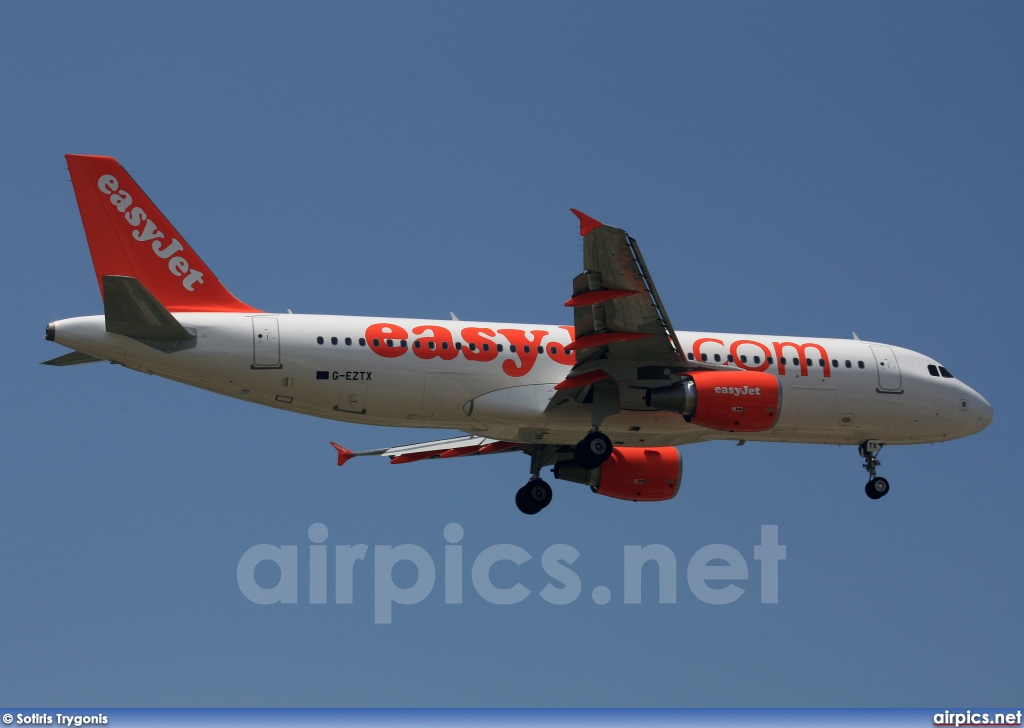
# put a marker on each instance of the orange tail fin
(129, 236)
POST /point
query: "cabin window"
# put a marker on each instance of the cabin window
(444, 345)
(512, 348)
(376, 342)
(743, 358)
(860, 365)
(501, 347)
(552, 350)
(809, 362)
(729, 358)
(348, 341)
(319, 339)
(404, 345)
(487, 347)
(431, 345)
(690, 356)
(782, 361)
(718, 357)
(334, 341)
(933, 370)
(703, 357)
(757, 359)
(835, 363)
(458, 346)
(389, 342)
(770, 360)
(821, 363)
(362, 341)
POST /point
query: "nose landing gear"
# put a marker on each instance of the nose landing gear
(876, 487)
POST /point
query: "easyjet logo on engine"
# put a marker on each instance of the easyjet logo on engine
(433, 341)
(739, 391)
(146, 231)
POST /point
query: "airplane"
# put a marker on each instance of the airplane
(604, 402)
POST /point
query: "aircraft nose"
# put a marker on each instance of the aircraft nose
(979, 411)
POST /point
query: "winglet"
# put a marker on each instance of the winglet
(587, 223)
(344, 454)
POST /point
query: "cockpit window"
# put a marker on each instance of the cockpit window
(945, 373)
(933, 370)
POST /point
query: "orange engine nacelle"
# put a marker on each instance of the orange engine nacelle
(737, 401)
(631, 473)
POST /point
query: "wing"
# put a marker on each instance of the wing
(623, 332)
(450, 448)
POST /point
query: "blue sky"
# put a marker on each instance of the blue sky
(802, 168)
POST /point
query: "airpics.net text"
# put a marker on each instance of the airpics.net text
(712, 572)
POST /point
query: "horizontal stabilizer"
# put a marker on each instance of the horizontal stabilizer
(71, 358)
(133, 311)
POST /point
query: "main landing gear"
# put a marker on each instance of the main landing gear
(593, 450)
(535, 496)
(589, 453)
(876, 487)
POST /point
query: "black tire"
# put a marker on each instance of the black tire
(876, 488)
(533, 497)
(540, 492)
(593, 450)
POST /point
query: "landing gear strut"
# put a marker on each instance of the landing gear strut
(876, 487)
(593, 450)
(535, 496)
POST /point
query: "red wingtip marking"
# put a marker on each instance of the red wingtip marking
(587, 223)
(344, 454)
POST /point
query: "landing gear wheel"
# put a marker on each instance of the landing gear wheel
(876, 488)
(593, 450)
(533, 497)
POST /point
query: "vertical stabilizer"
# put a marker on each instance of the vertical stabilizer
(129, 236)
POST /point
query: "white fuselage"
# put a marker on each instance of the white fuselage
(835, 391)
